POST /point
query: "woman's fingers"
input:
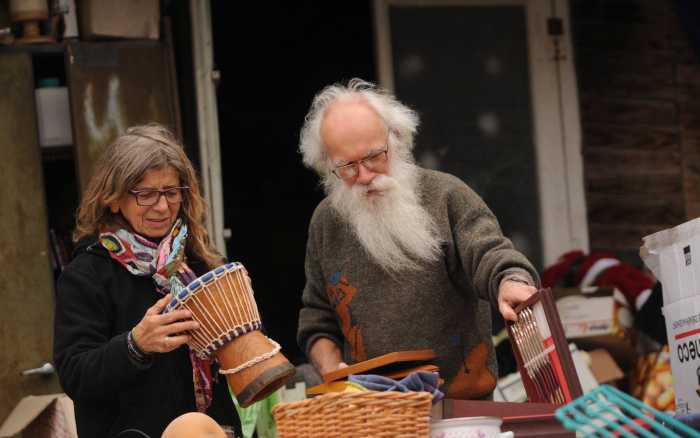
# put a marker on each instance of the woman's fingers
(158, 307)
(163, 332)
(175, 315)
(173, 342)
(179, 327)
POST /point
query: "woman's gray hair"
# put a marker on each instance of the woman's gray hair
(401, 121)
(122, 165)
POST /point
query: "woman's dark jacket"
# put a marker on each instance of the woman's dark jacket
(98, 302)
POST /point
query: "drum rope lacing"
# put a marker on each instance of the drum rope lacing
(256, 360)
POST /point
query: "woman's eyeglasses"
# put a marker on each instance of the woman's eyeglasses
(150, 197)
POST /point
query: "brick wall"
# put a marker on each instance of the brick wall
(638, 81)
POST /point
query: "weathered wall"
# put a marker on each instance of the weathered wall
(26, 291)
(638, 77)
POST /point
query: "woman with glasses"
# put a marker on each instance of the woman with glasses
(139, 236)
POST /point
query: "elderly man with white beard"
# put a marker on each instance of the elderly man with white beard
(398, 256)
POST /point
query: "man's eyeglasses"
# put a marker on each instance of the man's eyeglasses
(150, 197)
(371, 162)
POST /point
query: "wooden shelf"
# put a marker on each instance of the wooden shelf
(37, 49)
(57, 153)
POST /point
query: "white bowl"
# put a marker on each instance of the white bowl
(468, 427)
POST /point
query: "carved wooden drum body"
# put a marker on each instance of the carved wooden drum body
(222, 302)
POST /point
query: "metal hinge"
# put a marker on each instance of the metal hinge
(555, 29)
(555, 26)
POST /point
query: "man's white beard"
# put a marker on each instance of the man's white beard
(392, 226)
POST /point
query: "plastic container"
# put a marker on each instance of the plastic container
(468, 427)
(608, 412)
(53, 114)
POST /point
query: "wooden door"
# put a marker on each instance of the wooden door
(494, 84)
(115, 85)
(26, 294)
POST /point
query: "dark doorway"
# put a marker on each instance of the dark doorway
(273, 57)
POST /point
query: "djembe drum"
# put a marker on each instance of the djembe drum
(229, 327)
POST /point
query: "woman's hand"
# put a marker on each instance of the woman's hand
(161, 333)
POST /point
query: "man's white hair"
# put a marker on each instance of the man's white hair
(394, 229)
(401, 122)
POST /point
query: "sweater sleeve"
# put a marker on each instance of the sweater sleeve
(317, 317)
(91, 364)
(487, 256)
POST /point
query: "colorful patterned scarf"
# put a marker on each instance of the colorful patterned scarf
(165, 263)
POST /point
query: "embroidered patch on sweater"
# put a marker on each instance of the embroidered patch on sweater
(341, 293)
(474, 379)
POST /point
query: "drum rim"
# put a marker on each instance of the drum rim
(197, 283)
(223, 339)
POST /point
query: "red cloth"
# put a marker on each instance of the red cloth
(572, 267)
(555, 274)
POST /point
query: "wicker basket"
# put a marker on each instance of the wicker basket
(356, 414)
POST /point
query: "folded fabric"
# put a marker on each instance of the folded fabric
(338, 386)
(419, 381)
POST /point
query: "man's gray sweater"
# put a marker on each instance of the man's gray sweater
(353, 301)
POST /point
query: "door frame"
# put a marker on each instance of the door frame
(205, 76)
(555, 108)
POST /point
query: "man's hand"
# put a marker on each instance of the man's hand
(510, 294)
(326, 356)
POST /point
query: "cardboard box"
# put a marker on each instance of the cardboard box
(604, 368)
(41, 416)
(595, 318)
(673, 255)
(683, 330)
(119, 19)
